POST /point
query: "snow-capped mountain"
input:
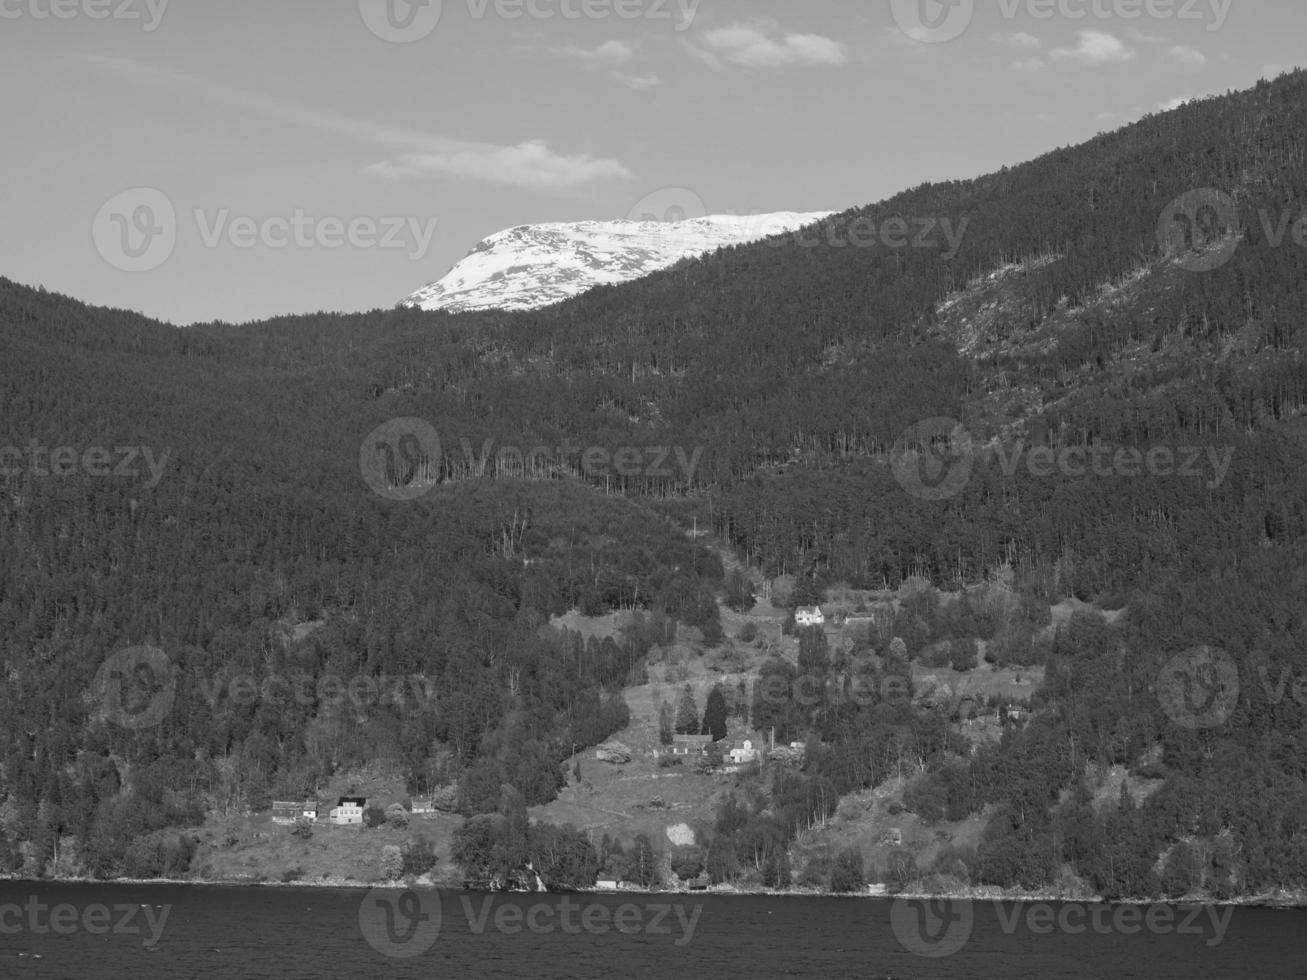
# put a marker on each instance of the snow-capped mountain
(531, 266)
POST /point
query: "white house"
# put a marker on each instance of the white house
(743, 754)
(809, 616)
(348, 811)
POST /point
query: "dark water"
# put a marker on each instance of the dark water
(320, 933)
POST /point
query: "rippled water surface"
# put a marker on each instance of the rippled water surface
(169, 932)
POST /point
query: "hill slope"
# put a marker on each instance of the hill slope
(763, 390)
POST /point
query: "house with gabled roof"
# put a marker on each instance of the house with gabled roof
(349, 811)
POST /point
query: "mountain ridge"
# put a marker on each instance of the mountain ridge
(531, 266)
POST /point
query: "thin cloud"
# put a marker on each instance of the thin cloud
(641, 83)
(762, 44)
(529, 164)
(1185, 55)
(610, 54)
(1094, 49)
(1019, 39)
(612, 57)
(1028, 64)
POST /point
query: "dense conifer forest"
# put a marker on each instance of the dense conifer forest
(765, 388)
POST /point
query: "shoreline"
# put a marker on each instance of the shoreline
(1280, 900)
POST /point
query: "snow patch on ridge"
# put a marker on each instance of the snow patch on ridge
(532, 266)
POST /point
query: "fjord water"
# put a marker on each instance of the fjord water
(251, 933)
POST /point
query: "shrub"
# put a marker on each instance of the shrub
(926, 797)
(392, 862)
(419, 856)
(847, 875)
(748, 632)
(397, 816)
(962, 655)
(687, 862)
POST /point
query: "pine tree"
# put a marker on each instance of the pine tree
(687, 714)
(714, 715)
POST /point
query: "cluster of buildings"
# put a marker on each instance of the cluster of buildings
(736, 755)
(347, 811)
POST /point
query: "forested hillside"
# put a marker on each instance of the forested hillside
(770, 384)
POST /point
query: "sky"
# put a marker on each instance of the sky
(233, 160)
